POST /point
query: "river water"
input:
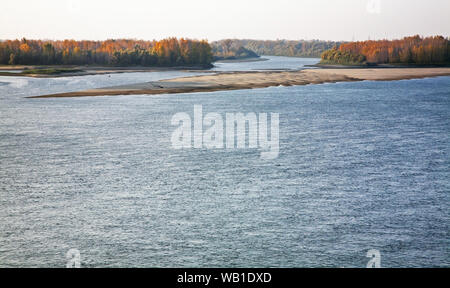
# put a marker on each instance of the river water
(362, 165)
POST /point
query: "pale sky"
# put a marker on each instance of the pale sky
(214, 20)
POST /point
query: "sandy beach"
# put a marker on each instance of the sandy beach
(250, 80)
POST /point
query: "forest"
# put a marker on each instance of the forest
(414, 50)
(120, 52)
(232, 53)
(172, 52)
(300, 48)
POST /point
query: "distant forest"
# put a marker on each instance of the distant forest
(185, 52)
(302, 48)
(409, 50)
(121, 52)
(232, 52)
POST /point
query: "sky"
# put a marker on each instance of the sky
(213, 20)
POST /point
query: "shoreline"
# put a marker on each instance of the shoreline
(92, 70)
(376, 66)
(242, 60)
(224, 81)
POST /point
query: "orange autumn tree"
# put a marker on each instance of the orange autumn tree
(409, 50)
(119, 52)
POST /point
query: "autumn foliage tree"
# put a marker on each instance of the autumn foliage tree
(120, 52)
(409, 50)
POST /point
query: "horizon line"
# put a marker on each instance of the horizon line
(231, 38)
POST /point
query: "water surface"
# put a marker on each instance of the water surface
(362, 165)
(267, 63)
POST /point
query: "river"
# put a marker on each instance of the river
(361, 165)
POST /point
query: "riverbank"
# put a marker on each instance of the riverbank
(243, 60)
(249, 80)
(375, 66)
(387, 74)
(70, 71)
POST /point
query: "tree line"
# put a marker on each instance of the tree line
(300, 48)
(232, 52)
(417, 50)
(120, 52)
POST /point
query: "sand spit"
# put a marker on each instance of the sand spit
(249, 80)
